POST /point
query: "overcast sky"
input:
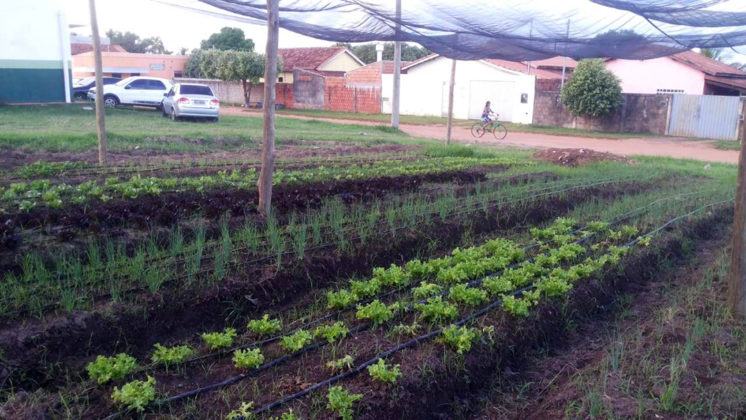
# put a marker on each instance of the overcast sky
(176, 26)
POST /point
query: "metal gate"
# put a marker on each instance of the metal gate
(704, 116)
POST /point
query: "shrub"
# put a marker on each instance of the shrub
(135, 395)
(105, 369)
(341, 401)
(217, 340)
(171, 355)
(592, 90)
(264, 325)
(382, 372)
(248, 359)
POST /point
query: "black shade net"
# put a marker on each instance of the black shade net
(517, 30)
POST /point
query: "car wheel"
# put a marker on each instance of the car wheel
(174, 117)
(111, 101)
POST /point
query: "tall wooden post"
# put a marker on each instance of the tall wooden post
(397, 70)
(450, 101)
(737, 274)
(100, 111)
(270, 80)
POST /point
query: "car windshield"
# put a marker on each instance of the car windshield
(84, 81)
(124, 81)
(195, 90)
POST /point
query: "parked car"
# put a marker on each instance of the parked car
(136, 90)
(191, 100)
(81, 86)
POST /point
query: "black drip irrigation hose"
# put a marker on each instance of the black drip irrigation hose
(362, 327)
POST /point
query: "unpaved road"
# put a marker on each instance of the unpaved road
(649, 146)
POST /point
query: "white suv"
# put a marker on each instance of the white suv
(145, 91)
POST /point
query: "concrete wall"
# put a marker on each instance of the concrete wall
(34, 50)
(638, 114)
(308, 90)
(647, 76)
(424, 90)
(228, 92)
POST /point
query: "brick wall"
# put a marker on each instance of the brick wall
(638, 114)
(344, 97)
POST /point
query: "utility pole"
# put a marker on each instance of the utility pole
(450, 101)
(737, 273)
(564, 57)
(100, 111)
(397, 69)
(270, 79)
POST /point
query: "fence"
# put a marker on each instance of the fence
(705, 116)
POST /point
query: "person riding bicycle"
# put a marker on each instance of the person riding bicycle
(488, 115)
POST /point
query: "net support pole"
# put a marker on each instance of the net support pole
(564, 57)
(450, 102)
(270, 80)
(100, 111)
(737, 273)
(397, 70)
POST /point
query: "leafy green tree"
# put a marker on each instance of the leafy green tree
(246, 67)
(228, 39)
(714, 53)
(592, 90)
(193, 63)
(131, 42)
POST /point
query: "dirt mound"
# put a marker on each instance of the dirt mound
(577, 157)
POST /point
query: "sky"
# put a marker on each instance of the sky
(177, 27)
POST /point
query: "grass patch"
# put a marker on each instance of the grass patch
(728, 145)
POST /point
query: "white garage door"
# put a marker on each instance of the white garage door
(501, 94)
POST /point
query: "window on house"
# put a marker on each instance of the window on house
(117, 75)
(280, 79)
(178, 74)
(668, 91)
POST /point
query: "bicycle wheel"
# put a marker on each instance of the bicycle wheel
(477, 130)
(500, 131)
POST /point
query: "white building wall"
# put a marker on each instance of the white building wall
(424, 91)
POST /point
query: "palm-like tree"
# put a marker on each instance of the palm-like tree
(714, 53)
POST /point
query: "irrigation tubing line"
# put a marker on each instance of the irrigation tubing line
(385, 354)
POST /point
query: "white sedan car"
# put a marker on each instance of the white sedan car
(191, 100)
(136, 90)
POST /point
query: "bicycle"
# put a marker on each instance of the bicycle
(496, 127)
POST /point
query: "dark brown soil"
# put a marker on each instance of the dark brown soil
(177, 313)
(577, 157)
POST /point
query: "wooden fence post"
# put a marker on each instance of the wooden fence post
(737, 273)
(270, 80)
(100, 111)
(450, 102)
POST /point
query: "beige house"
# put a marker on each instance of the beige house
(328, 61)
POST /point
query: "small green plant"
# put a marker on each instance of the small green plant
(244, 412)
(288, 415)
(517, 307)
(367, 288)
(217, 340)
(297, 341)
(264, 326)
(342, 364)
(467, 295)
(332, 333)
(341, 299)
(248, 359)
(171, 355)
(135, 395)
(436, 309)
(105, 369)
(460, 338)
(341, 402)
(497, 285)
(380, 371)
(376, 311)
(403, 329)
(425, 290)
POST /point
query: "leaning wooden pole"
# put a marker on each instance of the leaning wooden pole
(270, 79)
(100, 111)
(737, 274)
(450, 102)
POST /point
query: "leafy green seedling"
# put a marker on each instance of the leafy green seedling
(297, 341)
(382, 372)
(341, 402)
(248, 359)
(105, 369)
(342, 364)
(460, 338)
(135, 395)
(217, 340)
(332, 333)
(171, 355)
(264, 326)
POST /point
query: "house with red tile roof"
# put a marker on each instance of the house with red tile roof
(326, 61)
(687, 72)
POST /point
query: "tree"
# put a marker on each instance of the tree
(367, 52)
(132, 43)
(183, 50)
(246, 67)
(192, 65)
(592, 90)
(714, 53)
(228, 39)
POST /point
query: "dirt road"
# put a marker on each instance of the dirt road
(650, 146)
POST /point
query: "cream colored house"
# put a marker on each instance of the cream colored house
(328, 61)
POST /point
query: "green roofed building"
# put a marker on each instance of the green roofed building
(35, 53)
